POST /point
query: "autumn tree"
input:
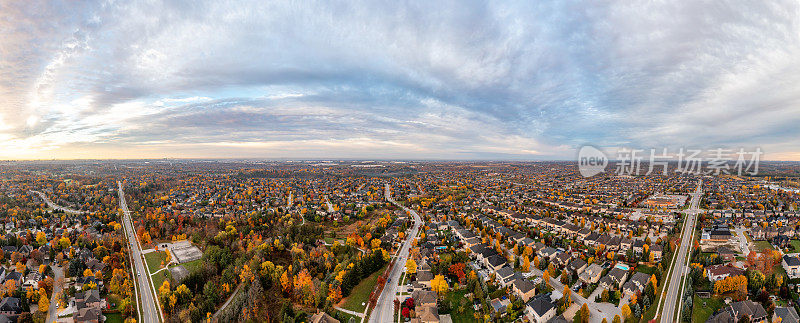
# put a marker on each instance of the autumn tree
(585, 313)
(439, 285)
(626, 312)
(44, 302)
(458, 271)
(546, 278)
(411, 267)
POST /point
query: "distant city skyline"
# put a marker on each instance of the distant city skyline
(515, 80)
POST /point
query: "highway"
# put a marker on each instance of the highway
(149, 311)
(56, 206)
(679, 269)
(384, 307)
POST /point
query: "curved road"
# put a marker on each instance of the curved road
(149, 309)
(56, 206)
(384, 307)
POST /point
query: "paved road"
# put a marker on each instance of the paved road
(384, 307)
(743, 243)
(679, 269)
(227, 302)
(56, 206)
(149, 309)
(58, 280)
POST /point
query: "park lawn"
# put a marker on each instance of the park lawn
(701, 313)
(455, 297)
(360, 293)
(193, 265)
(763, 245)
(159, 279)
(154, 260)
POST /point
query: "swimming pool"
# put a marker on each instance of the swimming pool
(623, 267)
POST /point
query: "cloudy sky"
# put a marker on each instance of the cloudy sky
(395, 79)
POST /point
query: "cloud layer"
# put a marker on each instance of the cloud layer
(432, 80)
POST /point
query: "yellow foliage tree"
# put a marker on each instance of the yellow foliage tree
(44, 302)
(411, 267)
(439, 285)
(626, 312)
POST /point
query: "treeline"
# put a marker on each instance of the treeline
(362, 268)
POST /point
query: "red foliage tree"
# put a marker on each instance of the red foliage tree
(458, 271)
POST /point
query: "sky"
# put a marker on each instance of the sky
(516, 80)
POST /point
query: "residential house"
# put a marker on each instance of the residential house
(792, 266)
(592, 274)
(738, 310)
(10, 306)
(322, 317)
(524, 289)
(720, 272)
(540, 309)
(786, 314)
(637, 283)
(577, 266)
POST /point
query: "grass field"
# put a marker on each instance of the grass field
(193, 265)
(467, 314)
(763, 245)
(701, 313)
(360, 293)
(159, 278)
(114, 318)
(645, 269)
(348, 316)
(154, 260)
(113, 298)
(795, 245)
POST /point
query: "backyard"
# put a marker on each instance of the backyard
(704, 307)
(460, 312)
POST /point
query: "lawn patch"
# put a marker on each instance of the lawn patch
(159, 279)
(113, 318)
(154, 260)
(193, 265)
(763, 245)
(459, 312)
(795, 245)
(360, 293)
(701, 313)
(646, 269)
